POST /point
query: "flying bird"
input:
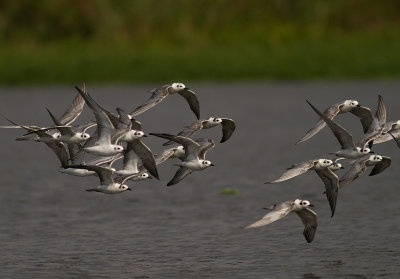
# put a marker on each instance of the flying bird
(280, 210)
(162, 92)
(348, 148)
(359, 166)
(227, 124)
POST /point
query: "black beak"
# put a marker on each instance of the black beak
(186, 88)
(372, 152)
(150, 177)
(212, 165)
(129, 189)
(341, 168)
(358, 106)
(145, 136)
(311, 205)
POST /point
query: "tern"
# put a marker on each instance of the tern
(331, 112)
(227, 124)
(300, 207)
(359, 166)
(107, 184)
(194, 156)
(162, 92)
(349, 149)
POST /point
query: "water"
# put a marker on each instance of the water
(52, 228)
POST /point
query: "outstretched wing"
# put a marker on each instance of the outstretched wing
(309, 219)
(180, 174)
(228, 127)
(158, 95)
(344, 138)
(279, 211)
(295, 170)
(192, 100)
(331, 182)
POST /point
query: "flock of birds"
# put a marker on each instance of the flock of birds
(120, 136)
(376, 130)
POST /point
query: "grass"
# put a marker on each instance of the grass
(66, 62)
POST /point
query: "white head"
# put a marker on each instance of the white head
(303, 203)
(84, 136)
(141, 176)
(375, 158)
(56, 135)
(214, 120)
(325, 162)
(351, 103)
(138, 134)
(124, 187)
(118, 148)
(336, 166)
(364, 150)
(207, 163)
(177, 87)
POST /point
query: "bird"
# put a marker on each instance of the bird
(280, 210)
(359, 166)
(67, 134)
(348, 148)
(194, 156)
(107, 184)
(321, 167)
(103, 145)
(227, 124)
(162, 92)
(331, 112)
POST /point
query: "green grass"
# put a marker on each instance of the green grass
(229, 191)
(357, 56)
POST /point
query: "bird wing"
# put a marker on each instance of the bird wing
(331, 182)
(309, 219)
(293, 171)
(228, 126)
(190, 130)
(381, 166)
(345, 139)
(330, 113)
(192, 100)
(191, 147)
(376, 127)
(145, 155)
(104, 125)
(205, 146)
(357, 168)
(105, 174)
(365, 116)
(277, 212)
(72, 113)
(164, 155)
(158, 95)
(180, 174)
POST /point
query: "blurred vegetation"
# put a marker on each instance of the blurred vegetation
(47, 41)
